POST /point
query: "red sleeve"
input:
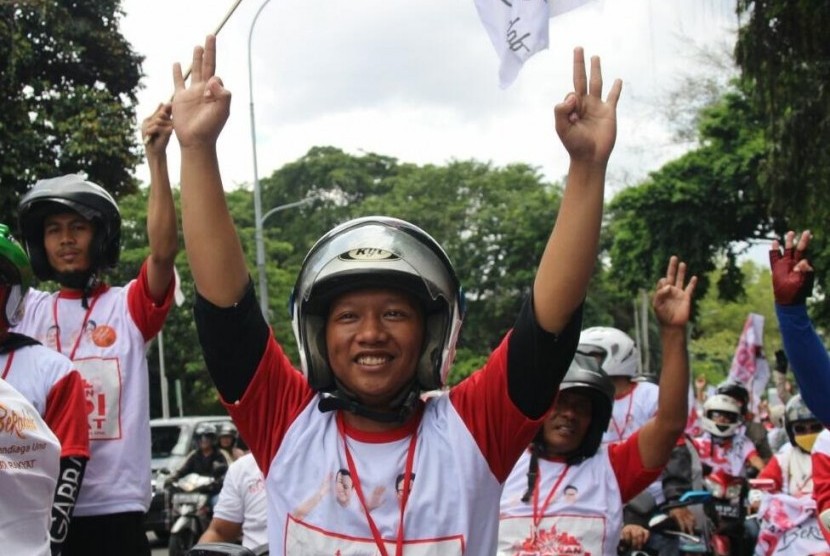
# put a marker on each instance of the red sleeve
(772, 471)
(66, 415)
(501, 431)
(275, 397)
(147, 314)
(821, 486)
(632, 477)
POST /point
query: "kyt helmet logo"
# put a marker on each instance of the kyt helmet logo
(369, 254)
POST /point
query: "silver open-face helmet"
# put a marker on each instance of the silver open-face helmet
(377, 252)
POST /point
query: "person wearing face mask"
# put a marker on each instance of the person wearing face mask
(786, 511)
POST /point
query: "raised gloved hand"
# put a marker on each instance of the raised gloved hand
(792, 275)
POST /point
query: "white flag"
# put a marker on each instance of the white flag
(747, 367)
(178, 294)
(518, 29)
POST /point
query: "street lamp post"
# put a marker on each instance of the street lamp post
(258, 219)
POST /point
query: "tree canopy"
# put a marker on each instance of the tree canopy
(68, 80)
(784, 56)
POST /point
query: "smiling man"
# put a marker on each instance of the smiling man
(376, 311)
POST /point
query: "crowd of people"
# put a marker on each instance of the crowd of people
(555, 446)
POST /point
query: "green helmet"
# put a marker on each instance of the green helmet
(15, 279)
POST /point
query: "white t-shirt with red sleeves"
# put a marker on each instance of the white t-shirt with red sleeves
(107, 343)
(821, 479)
(461, 446)
(792, 471)
(577, 509)
(242, 500)
(632, 411)
(52, 385)
(728, 457)
(29, 467)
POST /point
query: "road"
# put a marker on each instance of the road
(158, 548)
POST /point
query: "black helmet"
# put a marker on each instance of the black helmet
(377, 251)
(70, 193)
(736, 391)
(585, 374)
(585, 377)
(797, 413)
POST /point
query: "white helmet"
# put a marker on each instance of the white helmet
(377, 251)
(725, 405)
(620, 355)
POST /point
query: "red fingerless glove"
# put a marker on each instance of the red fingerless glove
(788, 286)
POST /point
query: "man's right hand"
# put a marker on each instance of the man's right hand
(792, 275)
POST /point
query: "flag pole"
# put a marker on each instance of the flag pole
(227, 16)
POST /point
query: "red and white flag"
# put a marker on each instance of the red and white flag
(749, 367)
(518, 29)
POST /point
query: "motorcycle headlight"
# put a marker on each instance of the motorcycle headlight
(716, 489)
(733, 490)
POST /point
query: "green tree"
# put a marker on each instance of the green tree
(68, 80)
(697, 206)
(783, 53)
(719, 324)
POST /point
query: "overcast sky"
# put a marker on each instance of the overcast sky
(418, 80)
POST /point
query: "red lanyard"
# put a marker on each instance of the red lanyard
(80, 332)
(8, 365)
(539, 513)
(620, 432)
(407, 480)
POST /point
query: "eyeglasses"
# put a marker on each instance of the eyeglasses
(807, 428)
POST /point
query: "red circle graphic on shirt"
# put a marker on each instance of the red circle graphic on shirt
(103, 335)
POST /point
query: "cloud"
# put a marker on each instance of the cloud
(418, 80)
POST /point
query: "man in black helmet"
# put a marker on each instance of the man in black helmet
(535, 516)
(71, 229)
(48, 380)
(376, 309)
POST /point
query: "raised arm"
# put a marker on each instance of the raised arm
(162, 227)
(214, 251)
(792, 284)
(672, 306)
(587, 127)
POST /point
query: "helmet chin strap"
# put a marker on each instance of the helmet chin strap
(401, 407)
(84, 280)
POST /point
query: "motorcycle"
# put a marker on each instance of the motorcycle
(664, 532)
(727, 511)
(190, 511)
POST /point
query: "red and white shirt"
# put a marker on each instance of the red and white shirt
(577, 509)
(52, 385)
(821, 479)
(107, 343)
(791, 470)
(460, 448)
(729, 456)
(29, 467)
(632, 411)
